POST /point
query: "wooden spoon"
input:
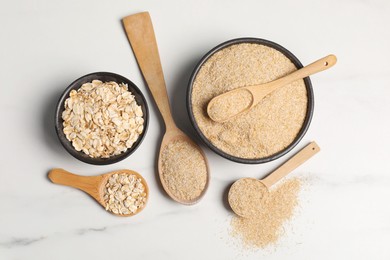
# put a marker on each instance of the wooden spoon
(93, 185)
(139, 30)
(239, 100)
(246, 206)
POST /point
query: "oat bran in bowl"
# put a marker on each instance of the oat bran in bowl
(270, 129)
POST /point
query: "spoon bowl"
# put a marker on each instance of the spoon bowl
(94, 185)
(230, 104)
(246, 194)
(169, 137)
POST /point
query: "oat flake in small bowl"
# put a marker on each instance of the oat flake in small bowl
(101, 119)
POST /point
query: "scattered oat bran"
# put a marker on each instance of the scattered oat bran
(184, 170)
(271, 125)
(266, 227)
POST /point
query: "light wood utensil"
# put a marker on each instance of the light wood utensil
(256, 93)
(93, 185)
(139, 30)
(299, 158)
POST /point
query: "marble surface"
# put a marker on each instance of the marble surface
(45, 45)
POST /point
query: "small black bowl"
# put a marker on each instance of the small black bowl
(309, 90)
(102, 76)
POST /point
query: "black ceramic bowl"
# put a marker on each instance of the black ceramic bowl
(102, 76)
(294, 60)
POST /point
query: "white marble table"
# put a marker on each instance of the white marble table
(44, 45)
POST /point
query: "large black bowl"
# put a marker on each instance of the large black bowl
(102, 76)
(294, 60)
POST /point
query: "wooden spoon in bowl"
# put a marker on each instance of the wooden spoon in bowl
(239, 100)
(246, 194)
(94, 185)
(139, 30)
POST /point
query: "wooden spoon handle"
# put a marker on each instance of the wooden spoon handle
(139, 30)
(84, 183)
(299, 158)
(317, 66)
